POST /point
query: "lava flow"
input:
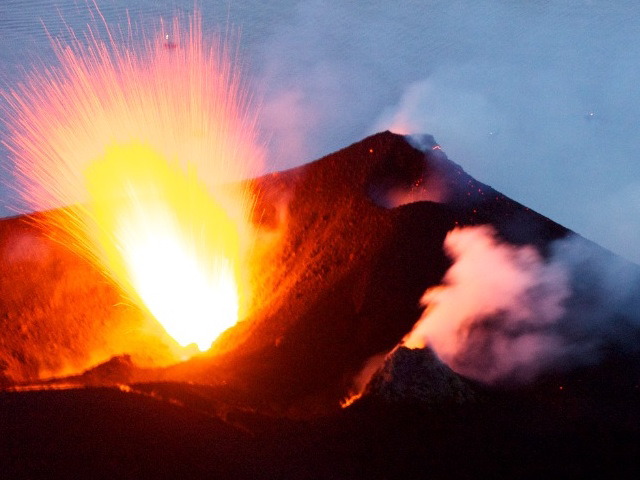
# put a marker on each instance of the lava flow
(142, 145)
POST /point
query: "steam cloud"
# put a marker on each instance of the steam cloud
(506, 314)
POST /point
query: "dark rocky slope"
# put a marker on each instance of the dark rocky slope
(341, 284)
(348, 275)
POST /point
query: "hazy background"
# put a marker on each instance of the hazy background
(539, 99)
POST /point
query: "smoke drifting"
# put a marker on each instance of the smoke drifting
(542, 91)
(493, 315)
(505, 314)
(538, 91)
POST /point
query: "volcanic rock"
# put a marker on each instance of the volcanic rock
(345, 282)
(418, 376)
(350, 244)
(340, 282)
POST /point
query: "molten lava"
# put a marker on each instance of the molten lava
(141, 143)
(167, 238)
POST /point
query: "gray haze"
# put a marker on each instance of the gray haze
(539, 99)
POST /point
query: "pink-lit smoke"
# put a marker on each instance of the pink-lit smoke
(506, 314)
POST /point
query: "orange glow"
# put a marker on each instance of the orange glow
(143, 143)
(168, 241)
(350, 400)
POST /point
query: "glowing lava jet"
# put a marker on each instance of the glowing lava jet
(142, 144)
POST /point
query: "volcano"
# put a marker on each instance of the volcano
(348, 245)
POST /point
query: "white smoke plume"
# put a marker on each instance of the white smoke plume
(505, 314)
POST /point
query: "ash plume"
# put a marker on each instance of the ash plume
(506, 314)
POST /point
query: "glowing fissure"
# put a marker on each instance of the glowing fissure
(141, 144)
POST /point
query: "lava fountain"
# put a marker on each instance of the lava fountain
(145, 146)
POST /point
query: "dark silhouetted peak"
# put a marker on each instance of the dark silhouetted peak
(418, 376)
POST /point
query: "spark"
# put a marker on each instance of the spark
(140, 144)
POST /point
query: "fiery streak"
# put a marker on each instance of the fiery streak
(141, 144)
